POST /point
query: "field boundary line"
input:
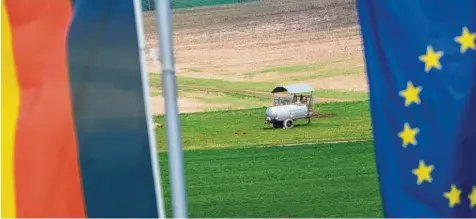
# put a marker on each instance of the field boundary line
(337, 141)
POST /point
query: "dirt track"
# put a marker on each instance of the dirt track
(228, 41)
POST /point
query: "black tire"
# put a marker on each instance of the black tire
(278, 124)
(288, 123)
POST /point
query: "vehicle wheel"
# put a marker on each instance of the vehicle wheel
(288, 123)
(277, 124)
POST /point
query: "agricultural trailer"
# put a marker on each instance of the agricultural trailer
(298, 104)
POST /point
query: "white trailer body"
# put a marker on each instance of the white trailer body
(282, 113)
(285, 110)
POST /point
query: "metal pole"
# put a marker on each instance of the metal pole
(172, 122)
(150, 124)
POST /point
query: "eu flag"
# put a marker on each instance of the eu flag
(420, 57)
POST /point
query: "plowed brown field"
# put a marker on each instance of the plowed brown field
(270, 42)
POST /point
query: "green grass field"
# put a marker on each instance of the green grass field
(243, 173)
(254, 93)
(252, 89)
(246, 128)
(321, 69)
(321, 180)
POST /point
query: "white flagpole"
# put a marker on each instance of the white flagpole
(172, 124)
(150, 125)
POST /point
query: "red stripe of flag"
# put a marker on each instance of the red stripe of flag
(47, 177)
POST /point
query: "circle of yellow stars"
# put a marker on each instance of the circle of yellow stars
(411, 95)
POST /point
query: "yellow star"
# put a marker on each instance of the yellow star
(408, 135)
(453, 196)
(423, 172)
(431, 59)
(466, 40)
(411, 94)
(472, 197)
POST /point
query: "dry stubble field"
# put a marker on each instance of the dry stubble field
(232, 56)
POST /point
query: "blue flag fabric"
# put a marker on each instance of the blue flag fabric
(420, 57)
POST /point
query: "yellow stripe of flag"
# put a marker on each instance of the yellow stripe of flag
(10, 107)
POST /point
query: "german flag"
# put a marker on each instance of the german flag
(74, 129)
